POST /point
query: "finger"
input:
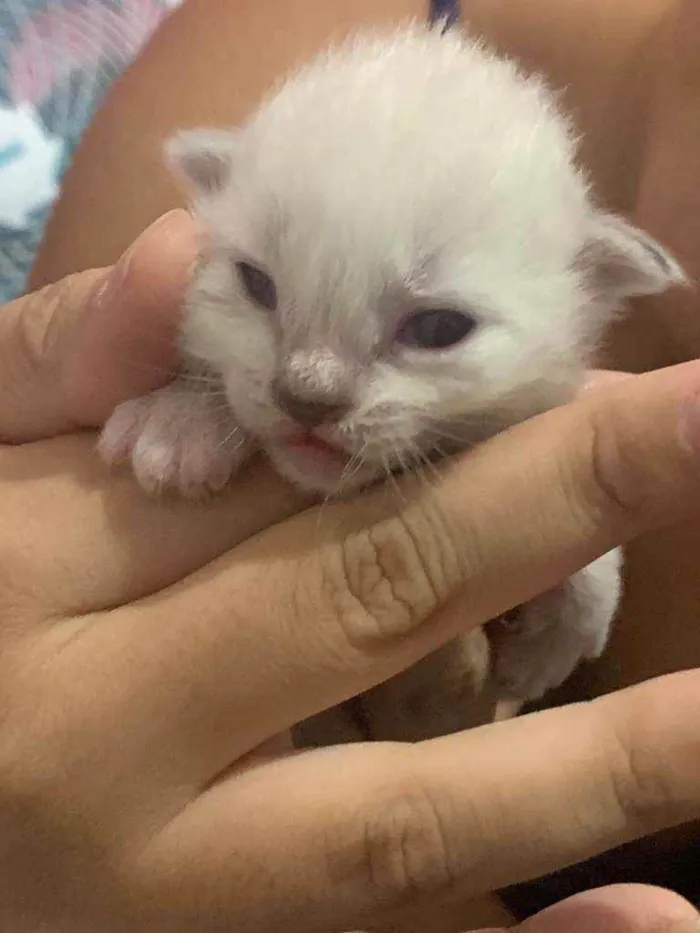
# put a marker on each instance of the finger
(323, 607)
(122, 544)
(133, 544)
(70, 352)
(628, 908)
(604, 378)
(353, 834)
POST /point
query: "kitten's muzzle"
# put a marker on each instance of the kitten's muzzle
(308, 410)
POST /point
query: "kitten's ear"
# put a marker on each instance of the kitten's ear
(626, 262)
(203, 158)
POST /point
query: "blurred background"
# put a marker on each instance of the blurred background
(57, 59)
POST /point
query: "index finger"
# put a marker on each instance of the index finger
(321, 608)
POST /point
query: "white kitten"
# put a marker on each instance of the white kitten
(403, 259)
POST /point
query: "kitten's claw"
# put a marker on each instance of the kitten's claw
(176, 439)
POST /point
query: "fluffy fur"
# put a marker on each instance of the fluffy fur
(394, 173)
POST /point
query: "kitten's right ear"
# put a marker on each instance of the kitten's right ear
(203, 159)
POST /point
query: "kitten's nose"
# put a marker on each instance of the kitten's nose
(307, 410)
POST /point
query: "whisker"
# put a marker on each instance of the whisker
(344, 476)
(423, 477)
(201, 379)
(398, 456)
(483, 425)
(393, 483)
(152, 369)
(350, 470)
(321, 510)
(443, 454)
(425, 469)
(429, 463)
(235, 430)
(357, 461)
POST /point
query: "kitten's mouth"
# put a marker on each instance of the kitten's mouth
(311, 460)
(309, 444)
(318, 464)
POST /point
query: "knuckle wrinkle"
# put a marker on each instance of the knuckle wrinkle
(406, 855)
(389, 579)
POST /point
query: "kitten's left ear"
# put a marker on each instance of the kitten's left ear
(626, 262)
(203, 158)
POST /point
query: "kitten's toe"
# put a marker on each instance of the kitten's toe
(155, 460)
(122, 430)
(196, 463)
(196, 460)
(175, 442)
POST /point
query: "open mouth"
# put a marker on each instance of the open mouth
(318, 464)
(316, 448)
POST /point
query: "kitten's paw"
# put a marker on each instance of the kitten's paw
(177, 440)
(538, 647)
(534, 653)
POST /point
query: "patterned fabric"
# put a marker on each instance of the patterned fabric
(57, 59)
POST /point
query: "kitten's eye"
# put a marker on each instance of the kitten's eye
(258, 285)
(435, 328)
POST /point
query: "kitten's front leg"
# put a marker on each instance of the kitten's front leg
(550, 635)
(439, 695)
(183, 437)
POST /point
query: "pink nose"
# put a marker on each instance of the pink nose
(306, 410)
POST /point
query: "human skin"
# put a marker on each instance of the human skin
(631, 70)
(631, 74)
(153, 657)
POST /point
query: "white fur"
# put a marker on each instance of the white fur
(393, 173)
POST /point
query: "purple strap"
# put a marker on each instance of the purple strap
(446, 12)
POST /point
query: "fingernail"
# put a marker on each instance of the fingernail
(165, 220)
(602, 379)
(112, 282)
(114, 279)
(687, 926)
(689, 428)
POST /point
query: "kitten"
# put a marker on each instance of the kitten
(403, 259)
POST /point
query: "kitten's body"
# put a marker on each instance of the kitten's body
(400, 179)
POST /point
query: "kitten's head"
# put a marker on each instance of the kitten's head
(402, 257)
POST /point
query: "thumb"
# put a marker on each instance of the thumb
(73, 350)
(620, 908)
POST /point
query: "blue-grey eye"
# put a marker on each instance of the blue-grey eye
(435, 328)
(258, 285)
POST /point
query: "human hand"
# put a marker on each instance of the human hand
(73, 350)
(150, 653)
(628, 908)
